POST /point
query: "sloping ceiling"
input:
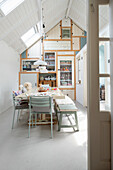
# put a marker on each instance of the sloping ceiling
(26, 15)
(18, 22)
(78, 13)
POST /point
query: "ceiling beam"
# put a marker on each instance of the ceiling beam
(68, 8)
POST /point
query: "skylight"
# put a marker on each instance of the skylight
(31, 36)
(7, 6)
(1, 1)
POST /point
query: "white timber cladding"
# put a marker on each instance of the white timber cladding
(105, 144)
(76, 44)
(66, 53)
(76, 31)
(66, 22)
(57, 45)
(54, 33)
(35, 50)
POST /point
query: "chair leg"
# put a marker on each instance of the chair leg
(18, 115)
(60, 121)
(13, 119)
(76, 121)
(32, 120)
(51, 126)
(29, 125)
(35, 119)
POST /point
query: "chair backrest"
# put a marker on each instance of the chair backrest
(40, 101)
(13, 98)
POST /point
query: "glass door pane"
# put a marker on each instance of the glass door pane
(105, 101)
(103, 20)
(104, 57)
(65, 73)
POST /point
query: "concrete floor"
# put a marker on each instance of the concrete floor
(66, 151)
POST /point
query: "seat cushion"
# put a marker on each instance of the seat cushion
(67, 108)
(24, 106)
(66, 101)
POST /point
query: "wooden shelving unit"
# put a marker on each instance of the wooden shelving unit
(52, 83)
(51, 56)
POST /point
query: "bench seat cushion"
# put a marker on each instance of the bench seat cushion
(67, 107)
(65, 101)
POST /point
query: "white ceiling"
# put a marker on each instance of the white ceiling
(26, 15)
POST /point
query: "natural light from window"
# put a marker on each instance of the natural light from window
(7, 6)
(30, 37)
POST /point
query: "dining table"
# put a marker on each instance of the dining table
(54, 92)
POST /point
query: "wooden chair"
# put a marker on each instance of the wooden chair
(19, 104)
(40, 105)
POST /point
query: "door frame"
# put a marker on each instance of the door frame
(98, 122)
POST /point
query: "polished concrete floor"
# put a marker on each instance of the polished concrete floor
(66, 151)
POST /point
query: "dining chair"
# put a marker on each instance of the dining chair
(40, 105)
(19, 104)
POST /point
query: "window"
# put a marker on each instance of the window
(79, 72)
(103, 20)
(78, 68)
(104, 58)
(6, 6)
(1, 1)
(66, 33)
(31, 36)
(104, 83)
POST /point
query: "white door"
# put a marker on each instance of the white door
(99, 122)
(85, 77)
(32, 78)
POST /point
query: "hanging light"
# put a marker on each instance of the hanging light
(40, 62)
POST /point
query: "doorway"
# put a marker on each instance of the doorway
(99, 121)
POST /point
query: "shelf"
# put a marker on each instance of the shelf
(47, 80)
(65, 71)
(65, 80)
(65, 64)
(50, 65)
(49, 72)
(48, 59)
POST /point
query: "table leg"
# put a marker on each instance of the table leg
(60, 122)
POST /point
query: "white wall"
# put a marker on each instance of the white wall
(9, 67)
(80, 87)
(35, 50)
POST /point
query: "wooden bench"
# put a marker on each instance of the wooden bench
(67, 107)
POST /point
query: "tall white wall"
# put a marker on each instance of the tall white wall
(9, 67)
(80, 87)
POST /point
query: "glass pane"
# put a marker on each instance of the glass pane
(50, 60)
(105, 94)
(104, 57)
(66, 73)
(66, 33)
(103, 20)
(28, 65)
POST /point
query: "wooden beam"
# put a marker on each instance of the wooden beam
(68, 8)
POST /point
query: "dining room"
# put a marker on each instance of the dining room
(46, 115)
